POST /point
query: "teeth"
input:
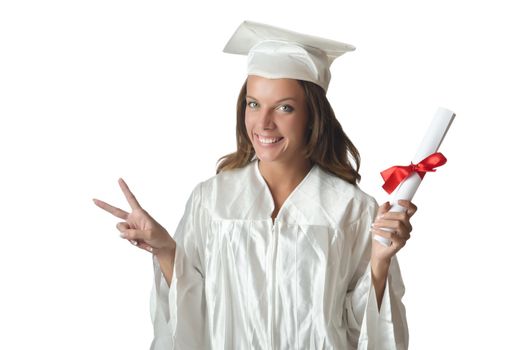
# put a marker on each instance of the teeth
(268, 140)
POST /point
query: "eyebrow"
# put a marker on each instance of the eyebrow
(281, 100)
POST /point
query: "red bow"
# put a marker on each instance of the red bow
(393, 176)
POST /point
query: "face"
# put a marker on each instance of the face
(276, 119)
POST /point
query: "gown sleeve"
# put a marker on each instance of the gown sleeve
(368, 328)
(178, 311)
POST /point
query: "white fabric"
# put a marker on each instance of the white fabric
(242, 281)
(275, 52)
(278, 59)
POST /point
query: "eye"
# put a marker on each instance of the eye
(286, 108)
(252, 104)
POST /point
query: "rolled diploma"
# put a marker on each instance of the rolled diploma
(430, 144)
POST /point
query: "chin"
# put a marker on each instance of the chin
(266, 158)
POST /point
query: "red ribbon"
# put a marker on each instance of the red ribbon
(393, 176)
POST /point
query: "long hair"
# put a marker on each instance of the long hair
(327, 145)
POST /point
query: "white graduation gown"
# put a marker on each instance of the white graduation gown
(242, 281)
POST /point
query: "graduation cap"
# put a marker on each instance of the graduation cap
(279, 53)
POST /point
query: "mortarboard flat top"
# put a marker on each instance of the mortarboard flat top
(280, 53)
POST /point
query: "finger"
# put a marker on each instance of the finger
(402, 228)
(145, 246)
(397, 240)
(396, 216)
(111, 209)
(122, 226)
(401, 232)
(411, 208)
(135, 234)
(382, 233)
(384, 208)
(387, 237)
(131, 199)
(392, 225)
(380, 241)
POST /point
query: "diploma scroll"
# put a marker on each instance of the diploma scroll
(430, 144)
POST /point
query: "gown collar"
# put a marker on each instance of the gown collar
(268, 203)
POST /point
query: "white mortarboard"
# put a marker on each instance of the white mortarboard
(279, 53)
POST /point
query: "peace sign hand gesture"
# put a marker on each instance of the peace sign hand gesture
(139, 227)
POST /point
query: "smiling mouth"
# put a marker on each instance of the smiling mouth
(268, 140)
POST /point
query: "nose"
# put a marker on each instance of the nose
(265, 119)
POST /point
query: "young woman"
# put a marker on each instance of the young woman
(276, 250)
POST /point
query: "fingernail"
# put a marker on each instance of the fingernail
(149, 249)
(124, 235)
(134, 242)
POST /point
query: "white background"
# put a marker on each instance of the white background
(91, 91)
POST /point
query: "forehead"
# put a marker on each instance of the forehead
(260, 87)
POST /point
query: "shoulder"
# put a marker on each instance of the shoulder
(227, 180)
(225, 187)
(339, 201)
(349, 192)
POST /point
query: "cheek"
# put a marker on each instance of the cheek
(247, 123)
(249, 127)
(297, 128)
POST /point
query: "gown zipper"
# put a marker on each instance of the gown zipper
(272, 259)
(272, 271)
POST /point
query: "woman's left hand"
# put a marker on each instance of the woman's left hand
(399, 230)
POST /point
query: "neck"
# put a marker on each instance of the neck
(281, 176)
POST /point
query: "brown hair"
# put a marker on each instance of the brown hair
(327, 145)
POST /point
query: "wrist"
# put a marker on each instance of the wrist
(380, 266)
(380, 272)
(166, 259)
(168, 251)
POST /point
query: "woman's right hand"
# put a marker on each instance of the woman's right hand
(139, 227)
